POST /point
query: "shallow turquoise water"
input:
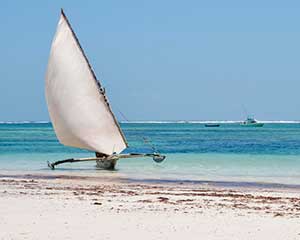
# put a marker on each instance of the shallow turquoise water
(194, 152)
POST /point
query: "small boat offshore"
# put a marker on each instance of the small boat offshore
(251, 122)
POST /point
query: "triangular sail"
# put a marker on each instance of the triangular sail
(78, 107)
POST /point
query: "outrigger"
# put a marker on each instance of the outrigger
(109, 162)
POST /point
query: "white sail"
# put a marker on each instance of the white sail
(79, 111)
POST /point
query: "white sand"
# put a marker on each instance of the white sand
(65, 209)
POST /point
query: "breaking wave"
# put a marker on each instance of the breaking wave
(210, 121)
(24, 122)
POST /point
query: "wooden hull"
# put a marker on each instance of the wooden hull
(106, 164)
(212, 125)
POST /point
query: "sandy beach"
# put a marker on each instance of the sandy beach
(150, 120)
(70, 207)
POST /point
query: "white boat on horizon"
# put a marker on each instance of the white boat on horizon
(251, 122)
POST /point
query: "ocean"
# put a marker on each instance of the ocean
(229, 153)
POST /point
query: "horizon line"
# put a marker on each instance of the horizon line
(161, 121)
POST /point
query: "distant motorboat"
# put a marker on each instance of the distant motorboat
(212, 125)
(251, 122)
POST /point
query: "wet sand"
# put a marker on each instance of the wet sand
(78, 207)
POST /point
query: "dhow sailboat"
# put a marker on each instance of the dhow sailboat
(78, 106)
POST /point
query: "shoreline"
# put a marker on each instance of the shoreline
(76, 207)
(122, 179)
(91, 186)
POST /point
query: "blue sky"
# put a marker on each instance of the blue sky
(161, 60)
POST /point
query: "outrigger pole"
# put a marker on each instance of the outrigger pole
(114, 157)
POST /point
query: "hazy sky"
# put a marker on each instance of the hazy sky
(163, 60)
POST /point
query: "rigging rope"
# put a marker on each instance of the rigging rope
(146, 140)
